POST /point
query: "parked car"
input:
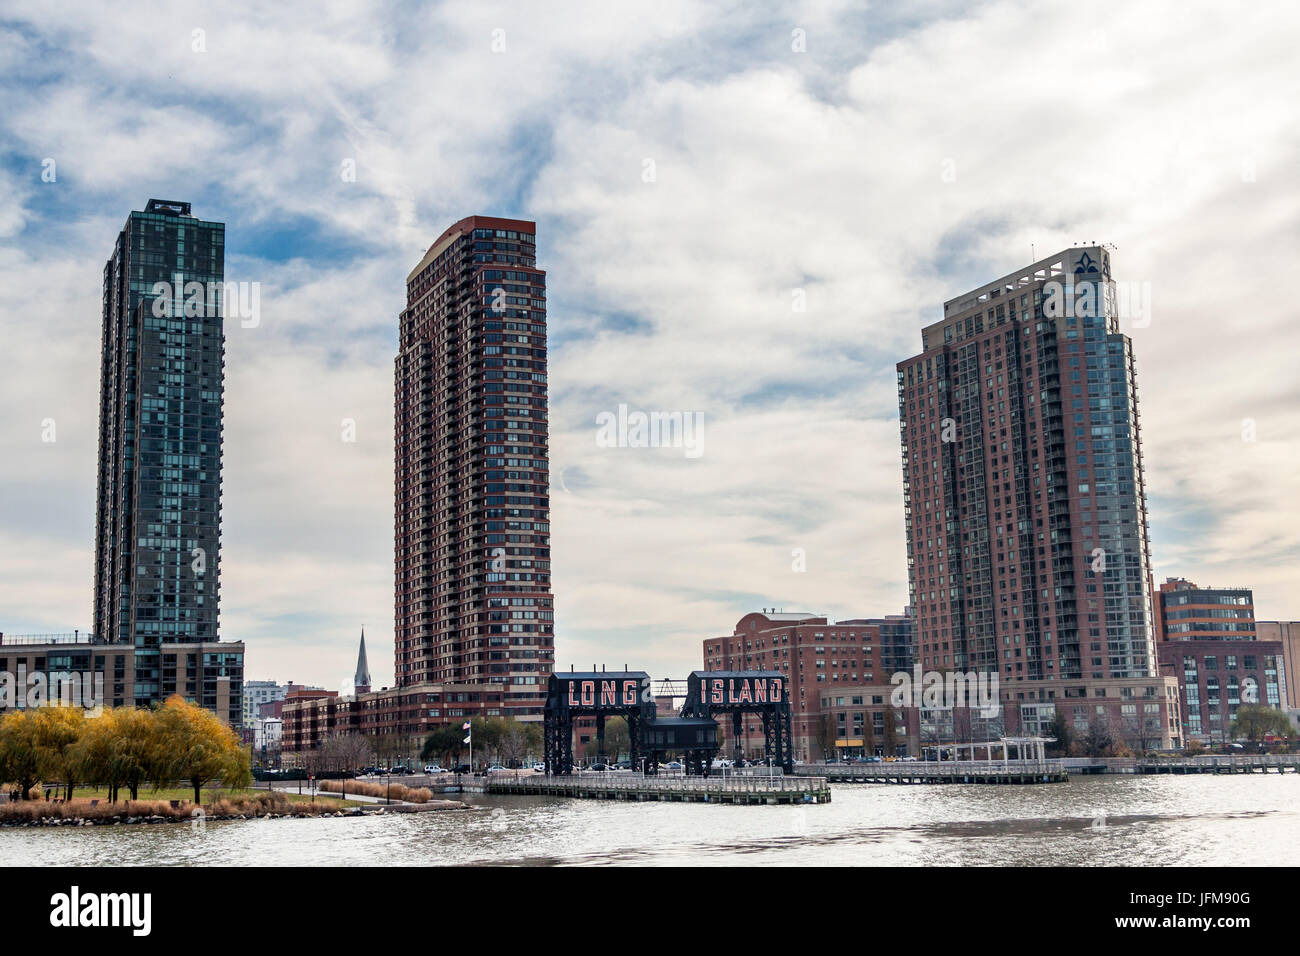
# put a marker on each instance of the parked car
(433, 768)
(539, 768)
(674, 765)
(599, 766)
(495, 768)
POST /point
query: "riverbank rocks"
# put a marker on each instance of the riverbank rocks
(297, 812)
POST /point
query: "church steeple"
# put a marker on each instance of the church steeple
(361, 682)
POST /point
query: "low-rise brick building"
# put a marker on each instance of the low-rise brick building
(1142, 713)
(814, 654)
(410, 713)
(1287, 634)
(1218, 676)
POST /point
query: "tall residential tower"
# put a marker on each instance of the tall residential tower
(1022, 474)
(158, 514)
(472, 526)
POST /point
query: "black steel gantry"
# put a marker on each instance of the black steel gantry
(715, 694)
(710, 695)
(597, 694)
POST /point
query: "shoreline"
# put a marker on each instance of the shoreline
(147, 819)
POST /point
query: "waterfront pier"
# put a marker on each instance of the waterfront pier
(1245, 763)
(682, 789)
(942, 771)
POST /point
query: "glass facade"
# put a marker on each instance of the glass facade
(1191, 612)
(158, 530)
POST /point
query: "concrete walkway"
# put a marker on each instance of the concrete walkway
(291, 787)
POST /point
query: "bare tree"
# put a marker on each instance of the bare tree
(388, 747)
(825, 736)
(938, 727)
(891, 733)
(518, 739)
(1141, 733)
(346, 751)
(1098, 741)
(617, 738)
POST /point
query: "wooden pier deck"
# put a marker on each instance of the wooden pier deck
(941, 771)
(635, 787)
(1246, 763)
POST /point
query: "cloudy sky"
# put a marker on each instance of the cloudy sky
(690, 166)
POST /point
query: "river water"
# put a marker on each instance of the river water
(1093, 821)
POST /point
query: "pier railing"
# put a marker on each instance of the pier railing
(1233, 763)
(932, 768)
(639, 787)
(642, 782)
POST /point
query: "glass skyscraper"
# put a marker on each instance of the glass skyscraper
(158, 516)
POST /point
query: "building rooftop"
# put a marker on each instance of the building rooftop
(73, 637)
(468, 225)
(168, 207)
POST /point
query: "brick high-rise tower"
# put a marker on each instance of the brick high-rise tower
(1022, 468)
(472, 526)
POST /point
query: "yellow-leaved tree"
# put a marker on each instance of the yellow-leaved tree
(58, 729)
(196, 746)
(118, 748)
(20, 760)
